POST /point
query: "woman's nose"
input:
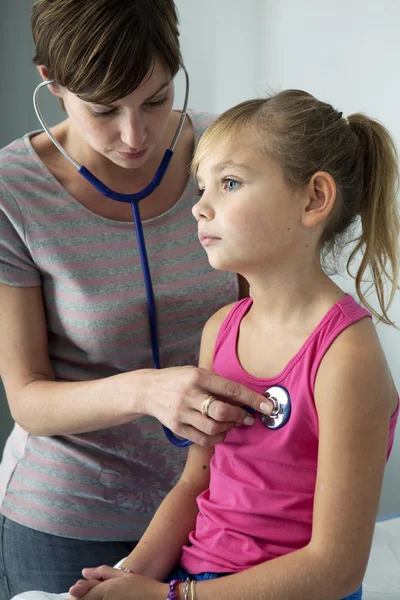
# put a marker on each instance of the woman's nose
(133, 132)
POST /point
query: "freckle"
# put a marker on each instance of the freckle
(204, 467)
(306, 245)
(288, 228)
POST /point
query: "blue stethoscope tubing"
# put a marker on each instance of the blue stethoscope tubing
(134, 200)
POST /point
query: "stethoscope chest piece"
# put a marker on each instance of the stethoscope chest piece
(280, 398)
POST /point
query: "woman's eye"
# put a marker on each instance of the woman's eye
(157, 102)
(231, 185)
(199, 192)
(99, 114)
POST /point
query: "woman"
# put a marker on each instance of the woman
(85, 466)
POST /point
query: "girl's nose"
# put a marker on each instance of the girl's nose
(203, 209)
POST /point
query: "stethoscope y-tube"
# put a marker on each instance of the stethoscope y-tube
(134, 200)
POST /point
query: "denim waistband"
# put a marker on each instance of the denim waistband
(180, 573)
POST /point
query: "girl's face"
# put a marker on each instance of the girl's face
(248, 218)
(127, 131)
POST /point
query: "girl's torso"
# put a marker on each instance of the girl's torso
(259, 504)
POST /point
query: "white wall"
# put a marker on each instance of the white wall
(222, 45)
(346, 52)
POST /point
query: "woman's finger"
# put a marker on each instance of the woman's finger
(220, 418)
(82, 587)
(102, 573)
(224, 413)
(235, 393)
(199, 437)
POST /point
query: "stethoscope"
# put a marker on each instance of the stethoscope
(282, 408)
(134, 200)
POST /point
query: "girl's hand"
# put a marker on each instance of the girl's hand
(175, 397)
(93, 577)
(126, 587)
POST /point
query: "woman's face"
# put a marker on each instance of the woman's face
(127, 131)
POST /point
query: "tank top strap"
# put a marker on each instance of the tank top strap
(346, 312)
(229, 330)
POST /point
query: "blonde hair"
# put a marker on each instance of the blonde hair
(102, 50)
(306, 135)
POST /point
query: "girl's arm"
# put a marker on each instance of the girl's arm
(46, 407)
(354, 397)
(160, 547)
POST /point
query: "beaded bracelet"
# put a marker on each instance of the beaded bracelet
(186, 589)
(172, 595)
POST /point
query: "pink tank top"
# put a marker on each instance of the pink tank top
(260, 501)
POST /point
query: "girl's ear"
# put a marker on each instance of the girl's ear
(321, 199)
(53, 87)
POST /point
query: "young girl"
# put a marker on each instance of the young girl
(86, 467)
(284, 510)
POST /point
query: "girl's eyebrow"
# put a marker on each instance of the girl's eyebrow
(231, 163)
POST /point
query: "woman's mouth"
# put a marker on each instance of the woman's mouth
(133, 155)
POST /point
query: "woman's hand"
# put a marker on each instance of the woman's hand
(175, 396)
(118, 585)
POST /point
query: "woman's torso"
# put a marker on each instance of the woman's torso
(107, 484)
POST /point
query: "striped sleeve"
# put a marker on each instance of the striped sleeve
(17, 267)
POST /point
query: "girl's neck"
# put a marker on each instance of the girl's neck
(284, 299)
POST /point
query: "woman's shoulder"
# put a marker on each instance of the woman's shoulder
(16, 159)
(200, 120)
(15, 150)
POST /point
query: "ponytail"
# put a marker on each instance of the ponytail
(378, 209)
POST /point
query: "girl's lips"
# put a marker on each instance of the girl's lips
(206, 239)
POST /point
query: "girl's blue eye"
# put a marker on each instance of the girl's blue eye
(231, 185)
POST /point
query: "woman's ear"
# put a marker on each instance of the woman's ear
(53, 87)
(321, 196)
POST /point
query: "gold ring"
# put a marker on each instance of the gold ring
(205, 407)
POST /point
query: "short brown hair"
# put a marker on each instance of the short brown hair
(306, 136)
(101, 50)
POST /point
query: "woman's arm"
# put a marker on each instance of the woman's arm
(46, 407)
(355, 397)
